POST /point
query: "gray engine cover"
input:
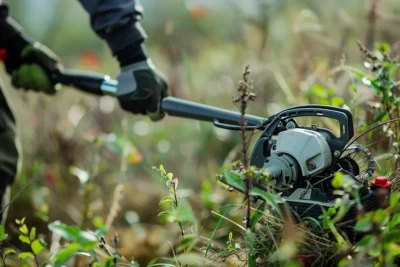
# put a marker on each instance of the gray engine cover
(308, 147)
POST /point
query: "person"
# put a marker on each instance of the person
(141, 86)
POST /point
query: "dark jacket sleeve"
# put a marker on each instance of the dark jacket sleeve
(8, 27)
(116, 21)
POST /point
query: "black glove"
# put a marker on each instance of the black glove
(31, 65)
(141, 87)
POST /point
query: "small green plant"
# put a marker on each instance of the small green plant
(172, 184)
(80, 243)
(3, 255)
(115, 258)
(245, 96)
(379, 245)
(178, 211)
(229, 244)
(242, 177)
(381, 76)
(28, 236)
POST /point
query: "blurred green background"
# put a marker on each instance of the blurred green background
(202, 48)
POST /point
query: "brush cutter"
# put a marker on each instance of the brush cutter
(301, 160)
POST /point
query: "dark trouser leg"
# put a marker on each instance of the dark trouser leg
(5, 204)
(9, 155)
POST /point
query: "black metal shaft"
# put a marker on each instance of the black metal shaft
(192, 110)
(100, 84)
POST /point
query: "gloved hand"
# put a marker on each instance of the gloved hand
(141, 88)
(31, 65)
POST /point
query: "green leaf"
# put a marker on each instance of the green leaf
(170, 176)
(192, 259)
(363, 225)
(378, 118)
(9, 251)
(391, 237)
(234, 180)
(330, 91)
(381, 217)
(24, 229)
(229, 242)
(366, 241)
(101, 232)
(328, 223)
(323, 101)
(337, 101)
(383, 47)
(25, 255)
(166, 199)
(3, 234)
(32, 235)
(271, 199)
(24, 239)
(360, 74)
(353, 88)
(23, 220)
(394, 249)
(216, 228)
(373, 84)
(98, 222)
(331, 211)
(250, 241)
(252, 261)
(109, 262)
(394, 222)
(185, 213)
(375, 250)
(343, 209)
(257, 214)
(37, 246)
(88, 240)
(394, 199)
(345, 262)
(152, 262)
(185, 241)
(341, 180)
(315, 221)
(227, 167)
(161, 168)
(66, 253)
(337, 180)
(319, 91)
(165, 213)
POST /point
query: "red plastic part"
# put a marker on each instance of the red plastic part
(3, 54)
(382, 182)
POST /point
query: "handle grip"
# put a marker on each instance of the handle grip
(90, 82)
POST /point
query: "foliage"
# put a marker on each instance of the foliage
(28, 236)
(10, 251)
(178, 211)
(300, 52)
(383, 82)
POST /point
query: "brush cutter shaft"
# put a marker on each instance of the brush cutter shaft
(192, 110)
(100, 84)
